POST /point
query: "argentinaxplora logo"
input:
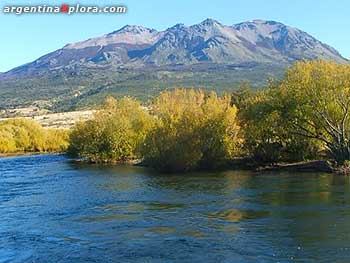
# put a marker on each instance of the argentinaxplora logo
(64, 8)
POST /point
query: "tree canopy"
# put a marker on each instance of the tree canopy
(114, 133)
(193, 130)
(23, 135)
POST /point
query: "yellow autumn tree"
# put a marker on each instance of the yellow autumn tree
(24, 135)
(193, 130)
(114, 134)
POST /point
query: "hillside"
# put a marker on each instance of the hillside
(140, 61)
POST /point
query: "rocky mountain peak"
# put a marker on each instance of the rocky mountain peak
(134, 29)
(208, 42)
(210, 22)
(179, 26)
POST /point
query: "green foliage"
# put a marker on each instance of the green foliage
(23, 135)
(316, 99)
(268, 135)
(72, 88)
(114, 134)
(306, 112)
(193, 130)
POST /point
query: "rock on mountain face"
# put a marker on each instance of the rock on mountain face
(205, 43)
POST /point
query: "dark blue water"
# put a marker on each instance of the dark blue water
(53, 210)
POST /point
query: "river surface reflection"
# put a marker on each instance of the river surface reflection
(53, 210)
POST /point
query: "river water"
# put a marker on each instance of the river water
(55, 210)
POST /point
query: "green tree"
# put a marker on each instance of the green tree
(268, 136)
(314, 100)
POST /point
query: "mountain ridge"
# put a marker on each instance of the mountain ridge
(141, 62)
(135, 46)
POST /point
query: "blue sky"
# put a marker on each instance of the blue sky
(27, 37)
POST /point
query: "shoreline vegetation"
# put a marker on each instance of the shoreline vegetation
(17, 154)
(300, 123)
(27, 136)
(323, 166)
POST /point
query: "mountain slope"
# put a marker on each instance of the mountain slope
(136, 60)
(207, 42)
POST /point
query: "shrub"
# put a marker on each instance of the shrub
(193, 130)
(114, 134)
(7, 142)
(23, 135)
(56, 140)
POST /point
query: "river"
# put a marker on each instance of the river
(55, 210)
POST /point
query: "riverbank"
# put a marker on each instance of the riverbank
(307, 166)
(17, 154)
(313, 166)
(322, 166)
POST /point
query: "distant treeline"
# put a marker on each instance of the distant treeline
(24, 135)
(303, 117)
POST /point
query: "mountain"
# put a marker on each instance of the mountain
(183, 55)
